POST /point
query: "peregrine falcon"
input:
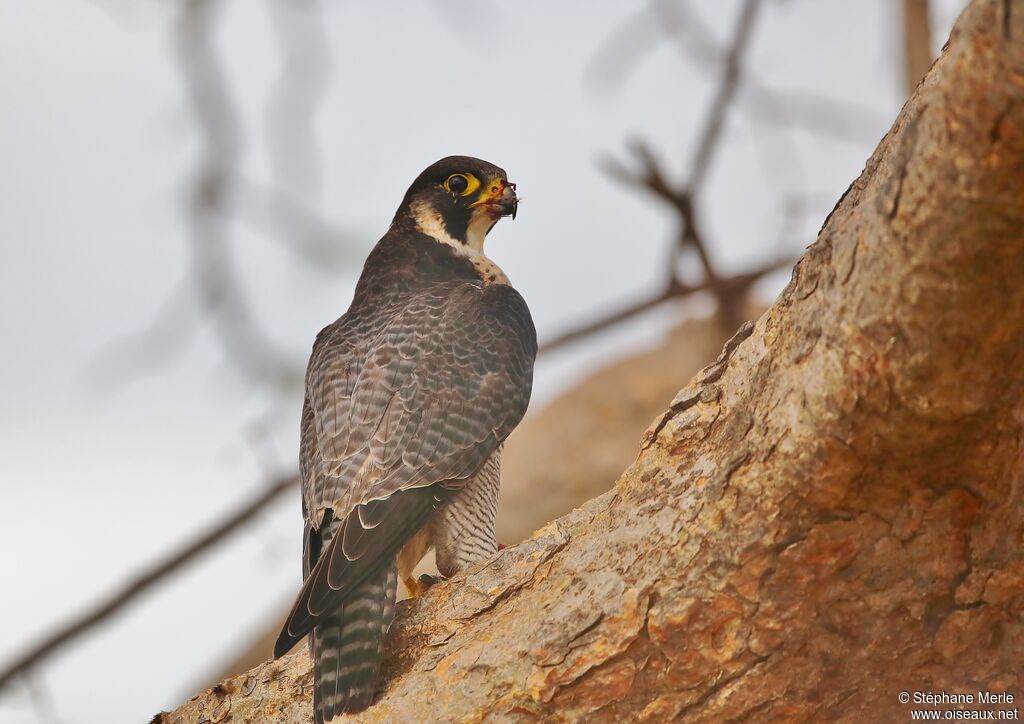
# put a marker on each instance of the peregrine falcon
(409, 397)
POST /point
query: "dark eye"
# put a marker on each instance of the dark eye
(458, 184)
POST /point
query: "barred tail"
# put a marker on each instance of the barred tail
(347, 645)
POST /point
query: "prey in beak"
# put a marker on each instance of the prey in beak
(460, 201)
(498, 199)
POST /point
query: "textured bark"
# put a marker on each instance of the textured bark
(830, 514)
(573, 448)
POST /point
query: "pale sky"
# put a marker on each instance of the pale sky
(98, 150)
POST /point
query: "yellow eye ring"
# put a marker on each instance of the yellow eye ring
(461, 184)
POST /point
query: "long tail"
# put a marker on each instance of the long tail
(347, 645)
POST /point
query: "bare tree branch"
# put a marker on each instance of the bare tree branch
(835, 118)
(162, 342)
(219, 289)
(707, 139)
(219, 195)
(729, 293)
(144, 581)
(738, 285)
(296, 226)
(917, 42)
(651, 177)
(305, 75)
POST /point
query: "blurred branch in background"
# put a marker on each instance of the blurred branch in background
(305, 76)
(220, 195)
(707, 139)
(729, 293)
(917, 42)
(296, 226)
(674, 20)
(212, 270)
(144, 581)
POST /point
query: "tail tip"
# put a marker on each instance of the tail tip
(355, 701)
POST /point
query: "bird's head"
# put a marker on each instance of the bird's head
(458, 200)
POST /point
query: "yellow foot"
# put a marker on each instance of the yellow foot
(419, 586)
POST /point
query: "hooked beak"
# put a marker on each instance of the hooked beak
(501, 199)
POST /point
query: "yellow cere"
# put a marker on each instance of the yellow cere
(489, 194)
(472, 183)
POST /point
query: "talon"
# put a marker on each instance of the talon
(412, 586)
(419, 586)
(427, 580)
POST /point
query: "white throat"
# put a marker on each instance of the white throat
(430, 223)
